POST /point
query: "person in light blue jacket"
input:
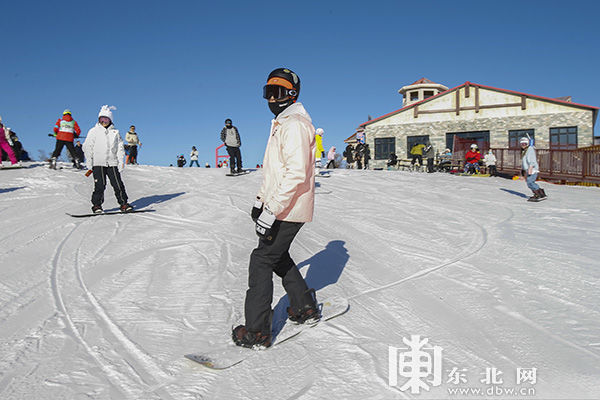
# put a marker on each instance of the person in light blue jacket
(531, 168)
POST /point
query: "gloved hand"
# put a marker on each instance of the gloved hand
(120, 167)
(323, 154)
(264, 224)
(256, 209)
(51, 134)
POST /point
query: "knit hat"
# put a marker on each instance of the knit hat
(524, 140)
(106, 111)
(319, 131)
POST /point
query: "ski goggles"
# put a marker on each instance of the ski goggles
(104, 120)
(278, 92)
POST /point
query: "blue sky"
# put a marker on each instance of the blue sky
(178, 69)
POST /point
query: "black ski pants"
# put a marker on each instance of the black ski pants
(59, 146)
(100, 174)
(430, 165)
(235, 158)
(267, 258)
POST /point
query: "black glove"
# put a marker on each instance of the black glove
(257, 209)
(323, 154)
(264, 224)
(51, 134)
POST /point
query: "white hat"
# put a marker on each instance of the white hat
(473, 146)
(106, 111)
(524, 140)
(319, 131)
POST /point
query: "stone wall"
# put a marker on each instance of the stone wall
(498, 128)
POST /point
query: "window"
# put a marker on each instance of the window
(462, 141)
(515, 135)
(414, 96)
(383, 148)
(563, 138)
(427, 94)
(412, 140)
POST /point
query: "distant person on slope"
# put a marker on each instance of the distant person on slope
(284, 203)
(66, 130)
(531, 168)
(490, 162)
(319, 150)
(6, 143)
(133, 141)
(194, 157)
(80, 156)
(104, 153)
(181, 161)
(331, 158)
(231, 137)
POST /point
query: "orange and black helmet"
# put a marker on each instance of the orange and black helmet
(282, 82)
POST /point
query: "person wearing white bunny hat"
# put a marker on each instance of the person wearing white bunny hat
(104, 153)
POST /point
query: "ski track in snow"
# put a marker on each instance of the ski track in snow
(134, 293)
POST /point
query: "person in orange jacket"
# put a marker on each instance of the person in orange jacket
(66, 130)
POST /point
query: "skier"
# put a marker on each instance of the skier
(490, 162)
(104, 153)
(320, 150)
(6, 143)
(181, 161)
(472, 160)
(133, 142)
(231, 137)
(194, 157)
(531, 168)
(66, 130)
(284, 203)
(331, 158)
(392, 160)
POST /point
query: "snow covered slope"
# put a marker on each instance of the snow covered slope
(105, 307)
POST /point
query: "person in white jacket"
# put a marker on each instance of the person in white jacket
(285, 201)
(490, 162)
(104, 153)
(531, 169)
(194, 157)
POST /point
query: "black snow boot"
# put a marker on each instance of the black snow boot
(307, 314)
(251, 340)
(542, 193)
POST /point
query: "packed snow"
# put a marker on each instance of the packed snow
(106, 307)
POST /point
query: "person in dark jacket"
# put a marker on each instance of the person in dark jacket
(349, 154)
(77, 163)
(393, 160)
(231, 138)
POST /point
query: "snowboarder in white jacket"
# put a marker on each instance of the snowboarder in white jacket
(284, 203)
(104, 153)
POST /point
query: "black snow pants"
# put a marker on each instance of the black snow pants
(235, 158)
(59, 146)
(267, 258)
(100, 174)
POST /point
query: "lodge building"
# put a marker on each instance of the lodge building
(475, 113)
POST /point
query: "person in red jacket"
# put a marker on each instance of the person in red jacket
(66, 130)
(472, 159)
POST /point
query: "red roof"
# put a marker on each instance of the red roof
(423, 80)
(548, 99)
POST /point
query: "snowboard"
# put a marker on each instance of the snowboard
(244, 172)
(107, 213)
(230, 355)
(11, 167)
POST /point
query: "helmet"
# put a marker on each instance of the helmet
(473, 146)
(524, 140)
(319, 131)
(228, 121)
(286, 78)
(67, 111)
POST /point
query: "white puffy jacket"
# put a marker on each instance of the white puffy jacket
(288, 187)
(103, 147)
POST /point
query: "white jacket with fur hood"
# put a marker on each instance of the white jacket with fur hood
(103, 147)
(288, 187)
